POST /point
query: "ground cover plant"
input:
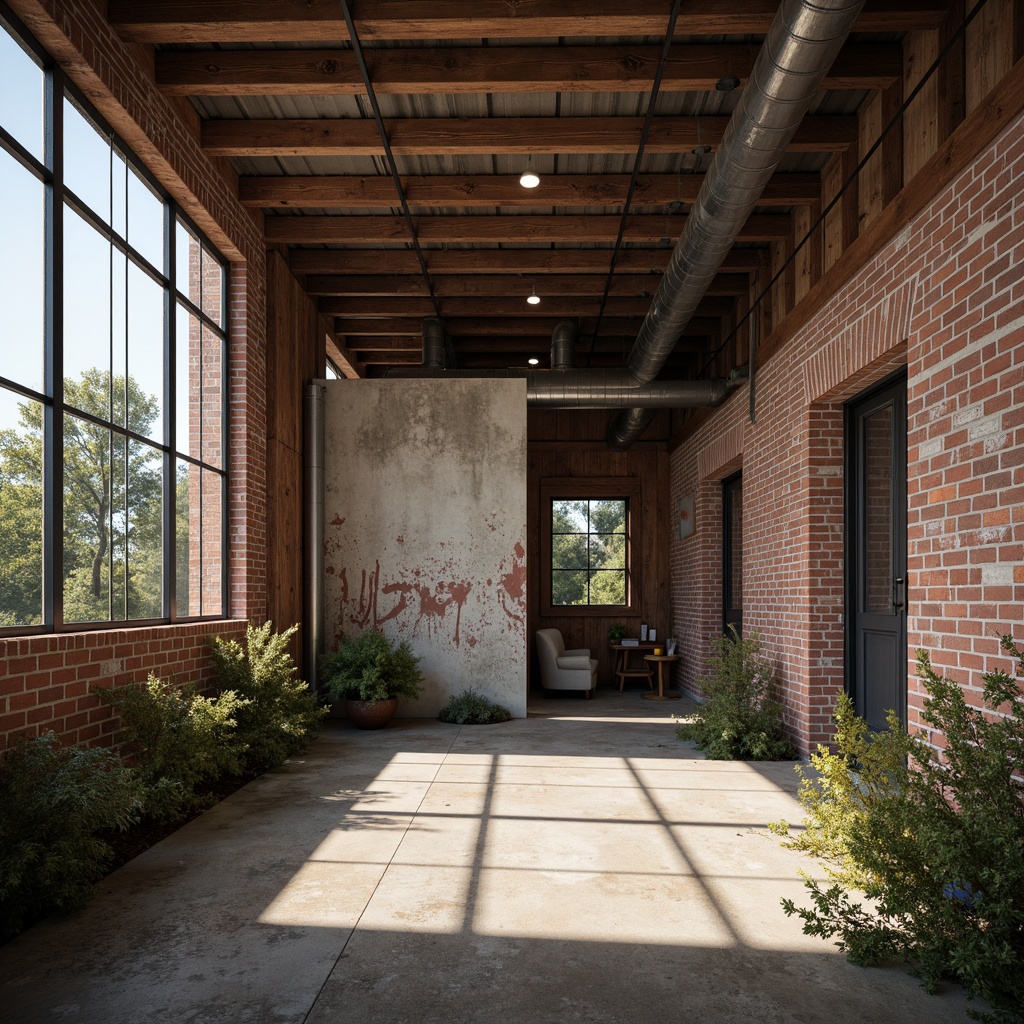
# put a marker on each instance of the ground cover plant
(933, 838)
(473, 708)
(53, 802)
(740, 717)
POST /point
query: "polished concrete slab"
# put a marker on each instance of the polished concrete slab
(580, 865)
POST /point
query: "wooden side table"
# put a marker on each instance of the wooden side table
(661, 660)
(623, 669)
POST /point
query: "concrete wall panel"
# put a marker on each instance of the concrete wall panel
(425, 528)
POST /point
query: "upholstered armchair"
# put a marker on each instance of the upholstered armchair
(561, 669)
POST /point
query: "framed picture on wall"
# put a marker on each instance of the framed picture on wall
(684, 517)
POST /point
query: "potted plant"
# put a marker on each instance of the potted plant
(616, 631)
(369, 674)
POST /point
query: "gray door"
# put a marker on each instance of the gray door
(876, 552)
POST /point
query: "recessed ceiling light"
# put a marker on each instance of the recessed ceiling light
(533, 362)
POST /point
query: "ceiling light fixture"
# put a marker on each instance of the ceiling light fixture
(727, 83)
(529, 177)
(533, 361)
(533, 298)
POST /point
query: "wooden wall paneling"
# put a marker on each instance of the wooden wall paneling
(295, 337)
(881, 178)
(990, 44)
(807, 264)
(921, 119)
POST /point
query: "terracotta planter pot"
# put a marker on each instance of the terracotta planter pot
(371, 714)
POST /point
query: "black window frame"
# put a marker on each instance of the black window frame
(49, 172)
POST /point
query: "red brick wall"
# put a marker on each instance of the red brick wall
(945, 298)
(44, 681)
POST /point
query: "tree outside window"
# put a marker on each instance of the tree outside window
(589, 551)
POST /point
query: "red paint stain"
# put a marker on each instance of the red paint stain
(471, 641)
(338, 521)
(400, 538)
(518, 549)
(512, 592)
(329, 571)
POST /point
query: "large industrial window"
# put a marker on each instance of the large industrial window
(589, 551)
(112, 374)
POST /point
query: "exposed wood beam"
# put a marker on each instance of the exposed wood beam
(488, 286)
(763, 227)
(554, 305)
(489, 261)
(345, 359)
(525, 343)
(682, 365)
(483, 136)
(496, 327)
(196, 21)
(490, 190)
(508, 69)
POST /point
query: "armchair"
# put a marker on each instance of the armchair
(561, 669)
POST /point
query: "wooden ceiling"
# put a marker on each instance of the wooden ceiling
(471, 91)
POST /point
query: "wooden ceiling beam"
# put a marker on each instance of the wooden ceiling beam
(489, 261)
(760, 227)
(551, 305)
(538, 344)
(489, 190)
(253, 21)
(505, 285)
(505, 69)
(483, 136)
(496, 327)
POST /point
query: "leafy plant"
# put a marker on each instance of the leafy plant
(53, 801)
(934, 838)
(177, 739)
(739, 719)
(277, 714)
(616, 631)
(472, 708)
(370, 668)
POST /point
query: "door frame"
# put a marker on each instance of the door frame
(852, 557)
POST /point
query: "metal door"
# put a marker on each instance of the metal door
(876, 552)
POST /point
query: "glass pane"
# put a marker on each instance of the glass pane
(87, 520)
(119, 193)
(21, 95)
(569, 516)
(87, 303)
(188, 260)
(21, 511)
(607, 516)
(568, 551)
(145, 531)
(188, 354)
(22, 273)
(118, 528)
(568, 587)
(607, 587)
(608, 551)
(213, 287)
(878, 511)
(213, 398)
(145, 220)
(186, 539)
(86, 161)
(211, 543)
(736, 544)
(145, 354)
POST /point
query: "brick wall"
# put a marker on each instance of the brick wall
(945, 298)
(45, 681)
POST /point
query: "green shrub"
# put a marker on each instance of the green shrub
(472, 708)
(177, 740)
(279, 714)
(370, 667)
(934, 839)
(739, 719)
(53, 801)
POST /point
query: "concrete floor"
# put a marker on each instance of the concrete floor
(581, 865)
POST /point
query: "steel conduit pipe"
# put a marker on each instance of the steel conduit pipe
(434, 354)
(563, 345)
(800, 47)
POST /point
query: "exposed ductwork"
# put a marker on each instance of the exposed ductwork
(588, 389)
(563, 345)
(434, 351)
(801, 45)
